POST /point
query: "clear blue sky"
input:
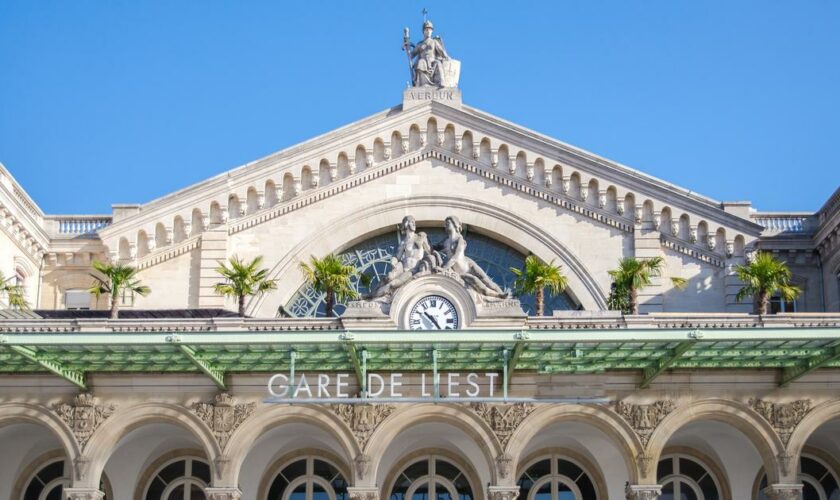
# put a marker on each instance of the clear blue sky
(122, 102)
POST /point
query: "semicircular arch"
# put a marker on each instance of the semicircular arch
(608, 422)
(377, 218)
(411, 415)
(104, 440)
(271, 416)
(738, 415)
(12, 413)
(819, 415)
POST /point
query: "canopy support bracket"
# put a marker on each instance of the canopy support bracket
(215, 374)
(663, 363)
(792, 373)
(74, 377)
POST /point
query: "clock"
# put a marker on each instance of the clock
(433, 312)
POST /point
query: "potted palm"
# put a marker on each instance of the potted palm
(763, 277)
(243, 279)
(633, 275)
(333, 278)
(535, 277)
(14, 293)
(116, 279)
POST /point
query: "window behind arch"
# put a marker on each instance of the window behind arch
(431, 477)
(556, 478)
(819, 482)
(49, 481)
(179, 479)
(686, 478)
(309, 478)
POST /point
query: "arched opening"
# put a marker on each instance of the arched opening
(234, 207)
(161, 235)
(252, 201)
(558, 475)
(215, 214)
(142, 244)
(124, 251)
(306, 178)
(288, 186)
(177, 475)
(197, 222)
(373, 258)
(305, 475)
(435, 476)
(689, 475)
(179, 232)
(270, 193)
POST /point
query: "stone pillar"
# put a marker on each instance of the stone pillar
(502, 492)
(83, 494)
(783, 491)
(363, 493)
(223, 493)
(642, 491)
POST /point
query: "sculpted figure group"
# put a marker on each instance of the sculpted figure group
(416, 256)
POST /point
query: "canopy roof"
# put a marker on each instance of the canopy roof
(795, 351)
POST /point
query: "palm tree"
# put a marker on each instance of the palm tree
(631, 276)
(15, 294)
(243, 279)
(115, 279)
(535, 276)
(332, 277)
(763, 277)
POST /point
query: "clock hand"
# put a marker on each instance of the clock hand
(437, 325)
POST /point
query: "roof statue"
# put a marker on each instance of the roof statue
(429, 63)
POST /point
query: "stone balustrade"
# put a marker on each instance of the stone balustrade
(76, 226)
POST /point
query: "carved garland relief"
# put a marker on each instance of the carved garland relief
(84, 415)
(784, 417)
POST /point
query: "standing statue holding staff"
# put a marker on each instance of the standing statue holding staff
(430, 65)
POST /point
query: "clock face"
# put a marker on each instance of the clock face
(433, 312)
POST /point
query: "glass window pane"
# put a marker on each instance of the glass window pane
(586, 487)
(707, 486)
(665, 468)
(544, 493)
(324, 470)
(295, 469)
(278, 486)
(667, 491)
(319, 493)
(809, 492)
(568, 469)
(56, 493)
(201, 471)
(539, 469)
(811, 467)
(173, 471)
(177, 494)
(421, 493)
(417, 469)
(445, 469)
(299, 493)
(197, 492)
(686, 492)
(691, 469)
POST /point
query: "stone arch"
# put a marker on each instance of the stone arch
(485, 151)
(738, 246)
(124, 249)
(612, 199)
(234, 207)
(464, 465)
(197, 222)
(592, 192)
(270, 416)
(215, 213)
(270, 193)
(252, 201)
(101, 445)
(360, 158)
(467, 143)
(599, 417)
(738, 415)
(306, 178)
(179, 232)
(378, 150)
(685, 227)
(819, 415)
(277, 464)
(378, 217)
(288, 186)
(455, 415)
(12, 413)
(324, 174)
(539, 172)
(396, 144)
(142, 243)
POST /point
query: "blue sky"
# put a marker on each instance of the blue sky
(122, 102)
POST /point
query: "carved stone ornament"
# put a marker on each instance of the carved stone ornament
(504, 463)
(362, 419)
(503, 493)
(782, 416)
(362, 465)
(83, 494)
(362, 493)
(644, 418)
(642, 491)
(643, 462)
(785, 461)
(81, 464)
(783, 491)
(84, 416)
(223, 415)
(223, 493)
(503, 418)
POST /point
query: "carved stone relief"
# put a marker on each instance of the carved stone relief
(224, 415)
(503, 418)
(782, 416)
(362, 419)
(644, 418)
(84, 416)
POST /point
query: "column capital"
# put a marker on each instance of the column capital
(642, 491)
(781, 491)
(83, 494)
(223, 493)
(502, 492)
(362, 493)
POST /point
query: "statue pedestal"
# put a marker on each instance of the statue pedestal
(417, 96)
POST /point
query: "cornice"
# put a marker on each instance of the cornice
(690, 250)
(168, 253)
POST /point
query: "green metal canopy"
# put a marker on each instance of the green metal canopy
(794, 351)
